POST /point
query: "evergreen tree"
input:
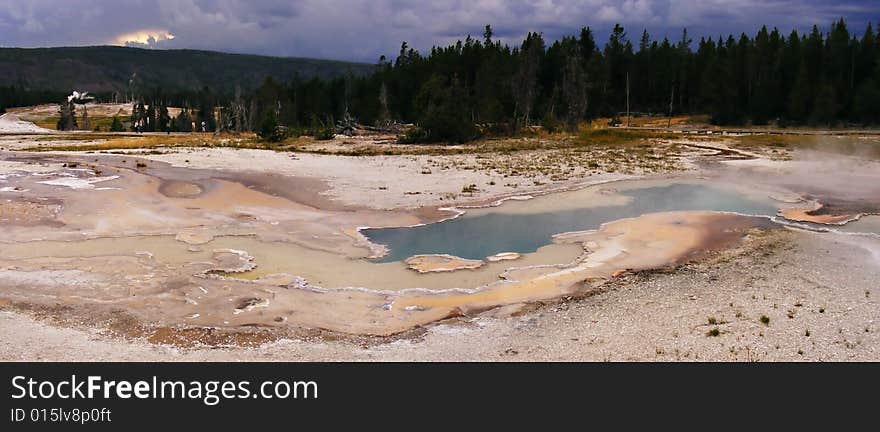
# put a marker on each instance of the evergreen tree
(116, 125)
(825, 107)
(866, 107)
(163, 119)
(525, 81)
(183, 121)
(443, 118)
(800, 101)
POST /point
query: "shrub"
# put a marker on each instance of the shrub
(324, 132)
(414, 135)
(500, 129)
(550, 124)
(270, 130)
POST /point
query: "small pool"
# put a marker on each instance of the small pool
(482, 234)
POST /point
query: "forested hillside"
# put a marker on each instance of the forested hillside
(106, 70)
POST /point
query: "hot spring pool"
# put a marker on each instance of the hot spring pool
(479, 234)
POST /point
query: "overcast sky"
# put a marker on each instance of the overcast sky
(363, 29)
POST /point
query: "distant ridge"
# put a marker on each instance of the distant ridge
(107, 69)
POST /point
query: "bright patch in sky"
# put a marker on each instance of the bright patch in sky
(146, 37)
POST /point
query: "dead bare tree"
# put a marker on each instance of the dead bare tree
(86, 124)
(238, 111)
(574, 88)
(627, 99)
(251, 115)
(384, 113)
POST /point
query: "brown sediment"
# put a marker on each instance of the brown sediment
(121, 324)
(296, 189)
(188, 337)
(809, 215)
(440, 263)
(831, 211)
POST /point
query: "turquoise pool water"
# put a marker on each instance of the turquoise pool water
(476, 237)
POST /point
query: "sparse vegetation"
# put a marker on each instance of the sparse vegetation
(115, 142)
(765, 320)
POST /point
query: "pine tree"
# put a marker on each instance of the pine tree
(443, 118)
(825, 107)
(163, 119)
(865, 106)
(526, 79)
(183, 121)
(116, 125)
(269, 127)
(574, 86)
(800, 101)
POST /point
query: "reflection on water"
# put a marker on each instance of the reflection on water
(476, 237)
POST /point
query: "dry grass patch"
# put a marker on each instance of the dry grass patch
(104, 142)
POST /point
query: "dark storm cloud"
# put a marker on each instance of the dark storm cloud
(363, 29)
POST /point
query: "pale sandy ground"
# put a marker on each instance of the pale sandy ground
(827, 285)
(380, 182)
